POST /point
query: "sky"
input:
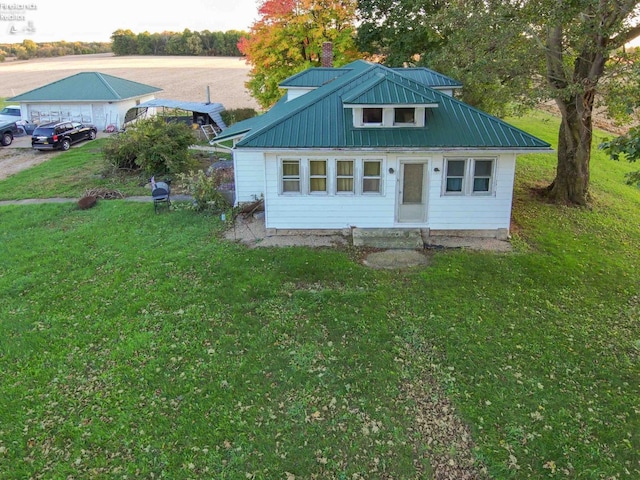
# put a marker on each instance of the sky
(90, 20)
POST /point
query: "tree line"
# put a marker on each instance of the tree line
(29, 49)
(125, 42)
(205, 43)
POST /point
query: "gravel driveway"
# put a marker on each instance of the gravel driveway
(20, 156)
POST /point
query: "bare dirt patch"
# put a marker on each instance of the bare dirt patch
(13, 160)
(600, 119)
(180, 78)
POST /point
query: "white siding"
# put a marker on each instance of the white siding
(328, 211)
(295, 92)
(101, 114)
(58, 112)
(249, 176)
(116, 112)
(472, 212)
(445, 91)
(257, 174)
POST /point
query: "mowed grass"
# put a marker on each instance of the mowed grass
(143, 345)
(69, 175)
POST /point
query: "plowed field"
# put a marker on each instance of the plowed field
(180, 78)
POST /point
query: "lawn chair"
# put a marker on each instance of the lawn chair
(160, 192)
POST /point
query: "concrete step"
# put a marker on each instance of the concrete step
(391, 238)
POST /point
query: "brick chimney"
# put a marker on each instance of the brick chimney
(327, 54)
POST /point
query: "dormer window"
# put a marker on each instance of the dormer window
(388, 116)
(404, 116)
(372, 116)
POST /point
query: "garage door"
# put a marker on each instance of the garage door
(44, 113)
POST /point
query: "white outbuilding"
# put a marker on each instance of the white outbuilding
(86, 97)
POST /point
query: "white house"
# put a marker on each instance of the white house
(368, 147)
(87, 97)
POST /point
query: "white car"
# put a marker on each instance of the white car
(10, 113)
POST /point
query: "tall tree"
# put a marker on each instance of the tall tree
(124, 42)
(626, 98)
(288, 38)
(578, 42)
(527, 50)
(399, 31)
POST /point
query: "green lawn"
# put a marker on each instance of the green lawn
(136, 345)
(68, 175)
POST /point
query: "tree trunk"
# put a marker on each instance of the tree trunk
(571, 185)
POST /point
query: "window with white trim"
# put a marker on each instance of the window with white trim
(455, 176)
(404, 116)
(390, 116)
(372, 116)
(344, 176)
(469, 176)
(330, 176)
(291, 176)
(317, 176)
(482, 175)
(371, 176)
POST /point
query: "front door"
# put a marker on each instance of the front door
(412, 192)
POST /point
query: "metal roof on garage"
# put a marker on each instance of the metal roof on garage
(87, 87)
(214, 110)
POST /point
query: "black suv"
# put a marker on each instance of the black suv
(61, 135)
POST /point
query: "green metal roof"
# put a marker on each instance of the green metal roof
(313, 77)
(87, 86)
(429, 77)
(384, 90)
(254, 123)
(319, 119)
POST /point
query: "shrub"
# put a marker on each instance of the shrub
(120, 152)
(153, 146)
(204, 190)
(237, 115)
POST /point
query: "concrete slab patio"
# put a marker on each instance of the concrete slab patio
(251, 232)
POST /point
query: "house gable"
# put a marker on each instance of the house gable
(386, 102)
(383, 90)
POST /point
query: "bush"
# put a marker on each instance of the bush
(204, 189)
(152, 146)
(120, 152)
(237, 115)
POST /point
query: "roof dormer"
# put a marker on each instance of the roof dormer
(385, 102)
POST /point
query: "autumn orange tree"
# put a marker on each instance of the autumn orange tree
(288, 38)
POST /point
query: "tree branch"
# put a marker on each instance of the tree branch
(553, 52)
(625, 37)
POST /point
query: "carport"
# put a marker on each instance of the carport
(207, 116)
